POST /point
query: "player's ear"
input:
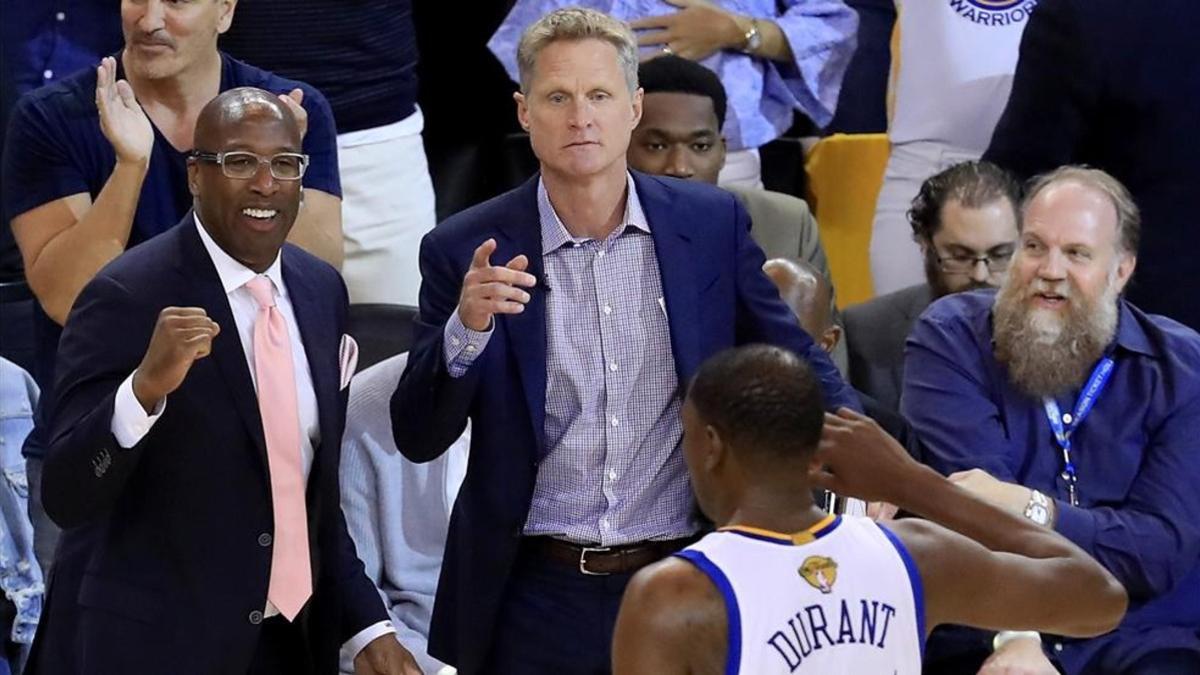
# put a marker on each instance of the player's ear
(715, 449)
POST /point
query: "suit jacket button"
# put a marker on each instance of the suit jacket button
(256, 617)
(264, 539)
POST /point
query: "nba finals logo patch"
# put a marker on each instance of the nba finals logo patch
(820, 572)
(994, 12)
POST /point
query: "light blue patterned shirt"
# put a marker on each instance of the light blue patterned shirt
(762, 93)
(20, 576)
(614, 473)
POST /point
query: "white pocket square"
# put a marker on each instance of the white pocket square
(347, 360)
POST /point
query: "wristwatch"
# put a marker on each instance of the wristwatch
(1038, 508)
(753, 38)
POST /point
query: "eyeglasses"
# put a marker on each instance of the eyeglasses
(242, 165)
(997, 261)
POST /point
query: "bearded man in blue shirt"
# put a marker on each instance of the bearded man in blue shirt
(1058, 399)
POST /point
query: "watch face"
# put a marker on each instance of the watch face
(1037, 513)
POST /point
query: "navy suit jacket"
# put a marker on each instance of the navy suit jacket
(164, 562)
(1116, 84)
(716, 297)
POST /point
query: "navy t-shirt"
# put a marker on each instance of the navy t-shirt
(55, 149)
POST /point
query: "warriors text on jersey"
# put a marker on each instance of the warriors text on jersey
(841, 597)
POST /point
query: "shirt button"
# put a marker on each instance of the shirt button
(61, 16)
(470, 348)
(615, 422)
(613, 366)
(608, 309)
(604, 523)
(264, 539)
(256, 617)
(612, 475)
(455, 341)
(600, 253)
(47, 74)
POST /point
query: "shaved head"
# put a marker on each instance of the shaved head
(809, 295)
(805, 290)
(234, 106)
(250, 214)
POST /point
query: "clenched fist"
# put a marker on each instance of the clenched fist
(181, 336)
(489, 290)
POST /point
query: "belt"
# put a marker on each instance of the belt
(603, 560)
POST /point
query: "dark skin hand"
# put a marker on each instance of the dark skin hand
(385, 656)
(981, 566)
(182, 336)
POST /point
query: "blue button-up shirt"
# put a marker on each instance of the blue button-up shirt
(1137, 455)
(614, 473)
(762, 94)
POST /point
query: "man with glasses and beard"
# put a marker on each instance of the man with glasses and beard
(965, 221)
(1057, 399)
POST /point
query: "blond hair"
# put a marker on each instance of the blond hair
(577, 23)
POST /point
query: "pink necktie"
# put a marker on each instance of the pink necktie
(291, 572)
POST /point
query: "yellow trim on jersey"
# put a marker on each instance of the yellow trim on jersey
(802, 537)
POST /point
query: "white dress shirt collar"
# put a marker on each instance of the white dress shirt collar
(234, 274)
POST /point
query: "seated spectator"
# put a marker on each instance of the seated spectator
(679, 135)
(1058, 399)
(397, 511)
(809, 294)
(20, 574)
(96, 162)
(965, 221)
(774, 57)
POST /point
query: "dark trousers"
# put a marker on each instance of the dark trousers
(555, 620)
(282, 650)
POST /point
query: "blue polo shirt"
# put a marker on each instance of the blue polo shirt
(1137, 455)
(55, 149)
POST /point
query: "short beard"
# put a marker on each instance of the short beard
(1047, 355)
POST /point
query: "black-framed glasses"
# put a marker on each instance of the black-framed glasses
(242, 165)
(997, 261)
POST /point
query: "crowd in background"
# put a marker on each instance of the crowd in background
(1019, 132)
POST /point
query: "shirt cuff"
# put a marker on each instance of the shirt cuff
(364, 637)
(1076, 524)
(463, 345)
(130, 423)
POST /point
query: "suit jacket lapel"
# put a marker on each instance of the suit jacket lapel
(318, 332)
(527, 331)
(207, 292)
(673, 246)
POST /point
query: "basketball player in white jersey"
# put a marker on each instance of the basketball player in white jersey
(782, 587)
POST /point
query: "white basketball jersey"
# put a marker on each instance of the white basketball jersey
(842, 597)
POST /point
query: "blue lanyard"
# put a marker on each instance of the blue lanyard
(1064, 425)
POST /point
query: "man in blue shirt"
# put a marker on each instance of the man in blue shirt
(96, 162)
(1057, 399)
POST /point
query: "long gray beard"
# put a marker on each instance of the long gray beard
(1047, 355)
